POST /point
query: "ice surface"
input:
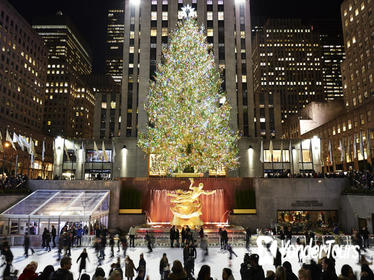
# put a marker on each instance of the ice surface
(217, 259)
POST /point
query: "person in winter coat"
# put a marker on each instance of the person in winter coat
(83, 257)
(164, 267)
(142, 266)
(290, 274)
(29, 273)
(129, 268)
(347, 273)
(47, 272)
(177, 272)
(254, 270)
(328, 269)
(227, 274)
(204, 273)
(63, 273)
(366, 273)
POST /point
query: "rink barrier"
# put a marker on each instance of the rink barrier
(163, 240)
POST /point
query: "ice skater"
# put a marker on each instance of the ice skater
(231, 251)
(82, 257)
(204, 247)
(26, 244)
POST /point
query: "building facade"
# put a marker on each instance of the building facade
(69, 102)
(107, 106)
(23, 74)
(287, 73)
(347, 139)
(114, 44)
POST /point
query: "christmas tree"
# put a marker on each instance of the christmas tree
(187, 109)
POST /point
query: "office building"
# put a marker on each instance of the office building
(69, 101)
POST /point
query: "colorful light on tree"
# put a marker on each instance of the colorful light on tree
(188, 126)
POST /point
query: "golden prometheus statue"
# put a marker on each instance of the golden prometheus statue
(187, 205)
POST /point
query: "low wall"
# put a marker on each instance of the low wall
(354, 207)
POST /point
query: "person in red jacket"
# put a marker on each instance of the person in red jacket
(29, 273)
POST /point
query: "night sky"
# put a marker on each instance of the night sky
(90, 15)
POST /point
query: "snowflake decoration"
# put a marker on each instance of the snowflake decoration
(188, 12)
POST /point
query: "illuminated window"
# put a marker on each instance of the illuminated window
(220, 16)
(210, 32)
(154, 15)
(153, 32)
(164, 31)
(164, 15)
(209, 15)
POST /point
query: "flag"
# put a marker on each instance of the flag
(54, 151)
(15, 139)
(32, 145)
(281, 151)
(105, 156)
(362, 146)
(95, 147)
(330, 152)
(1, 143)
(66, 153)
(9, 139)
(20, 143)
(290, 152)
(354, 146)
(43, 150)
(349, 148)
(271, 148)
(368, 145)
(341, 150)
(262, 151)
(83, 154)
(24, 142)
(301, 151)
(113, 152)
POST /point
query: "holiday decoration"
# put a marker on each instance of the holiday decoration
(188, 111)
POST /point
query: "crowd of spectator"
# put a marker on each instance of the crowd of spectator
(8, 182)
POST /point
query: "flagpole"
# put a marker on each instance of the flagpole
(302, 156)
(63, 153)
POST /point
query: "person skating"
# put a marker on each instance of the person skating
(201, 232)
(148, 239)
(132, 232)
(183, 236)
(124, 245)
(231, 251)
(83, 257)
(222, 242)
(129, 268)
(141, 269)
(365, 236)
(111, 244)
(247, 238)
(252, 270)
(192, 254)
(26, 244)
(172, 236)
(164, 267)
(177, 238)
(225, 238)
(53, 234)
(47, 240)
(79, 234)
(328, 269)
(204, 247)
(117, 266)
(63, 273)
(177, 271)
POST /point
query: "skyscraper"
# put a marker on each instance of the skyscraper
(23, 74)
(287, 73)
(114, 44)
(70, 102)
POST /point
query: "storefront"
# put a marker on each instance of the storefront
(302, 220)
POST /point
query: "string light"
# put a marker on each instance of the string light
(187, 110)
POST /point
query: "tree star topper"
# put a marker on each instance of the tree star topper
(188, 12)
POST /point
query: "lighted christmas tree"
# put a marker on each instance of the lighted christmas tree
(188, 111)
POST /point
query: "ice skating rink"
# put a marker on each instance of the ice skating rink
(217, 260)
